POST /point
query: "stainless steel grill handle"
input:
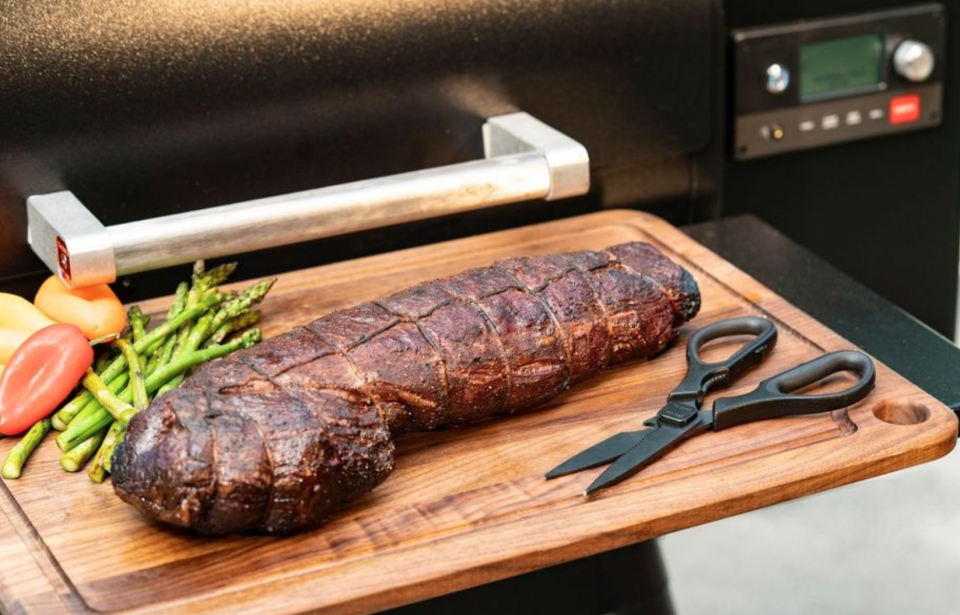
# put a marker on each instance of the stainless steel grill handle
(525, 160)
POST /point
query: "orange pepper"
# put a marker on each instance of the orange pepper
(95, 309)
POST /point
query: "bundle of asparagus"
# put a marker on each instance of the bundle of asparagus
(202, 324)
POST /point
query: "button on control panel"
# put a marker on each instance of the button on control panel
(763, 134)
(904, 109)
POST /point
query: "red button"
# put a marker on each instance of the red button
(904, 109)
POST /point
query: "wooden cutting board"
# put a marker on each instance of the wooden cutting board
(469, 506)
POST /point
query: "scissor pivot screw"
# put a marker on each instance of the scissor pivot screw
(676, 414)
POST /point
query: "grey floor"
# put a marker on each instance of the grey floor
(886, 545)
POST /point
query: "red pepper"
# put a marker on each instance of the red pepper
(40, 375)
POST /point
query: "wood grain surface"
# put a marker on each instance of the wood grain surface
(469, 506)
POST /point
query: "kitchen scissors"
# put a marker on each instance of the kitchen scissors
(682, 417)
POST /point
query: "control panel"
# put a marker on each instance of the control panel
(820, 82)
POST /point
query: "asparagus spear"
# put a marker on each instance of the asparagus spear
(74, 459)
(241, 322)
(199, 289)
(197, 334)
(210, 278)
(204, 284)
(103, 339)
(140, 399)
(162, 354)
(191, 342)
(150, 341)
(180, 342)
(138, 322)
(247, 298)
(179, 300)
(108, 454)
(137, 391)
(78, 431)
(115, 405)
(19, 453)
(101, 462)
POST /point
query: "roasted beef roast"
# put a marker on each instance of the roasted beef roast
(276, 437)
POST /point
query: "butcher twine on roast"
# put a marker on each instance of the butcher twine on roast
(276, 437)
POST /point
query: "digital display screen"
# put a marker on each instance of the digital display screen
(838, 66)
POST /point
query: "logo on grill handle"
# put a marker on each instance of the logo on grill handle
(63, 259)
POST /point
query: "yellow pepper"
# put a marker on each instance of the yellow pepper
(19, 313)
(10, 340)
(95, 310)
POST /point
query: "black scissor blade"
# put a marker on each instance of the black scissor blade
(656, 444)
(600, 453)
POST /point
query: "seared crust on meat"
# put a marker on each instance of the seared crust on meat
(276, 437)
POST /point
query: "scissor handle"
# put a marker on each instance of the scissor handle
(702, 376)
(773, 397)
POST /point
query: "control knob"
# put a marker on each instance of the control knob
(778, 78)
(913, 60)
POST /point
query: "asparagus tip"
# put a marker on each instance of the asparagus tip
(250, 337)
(199, 267)
(261, 288)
